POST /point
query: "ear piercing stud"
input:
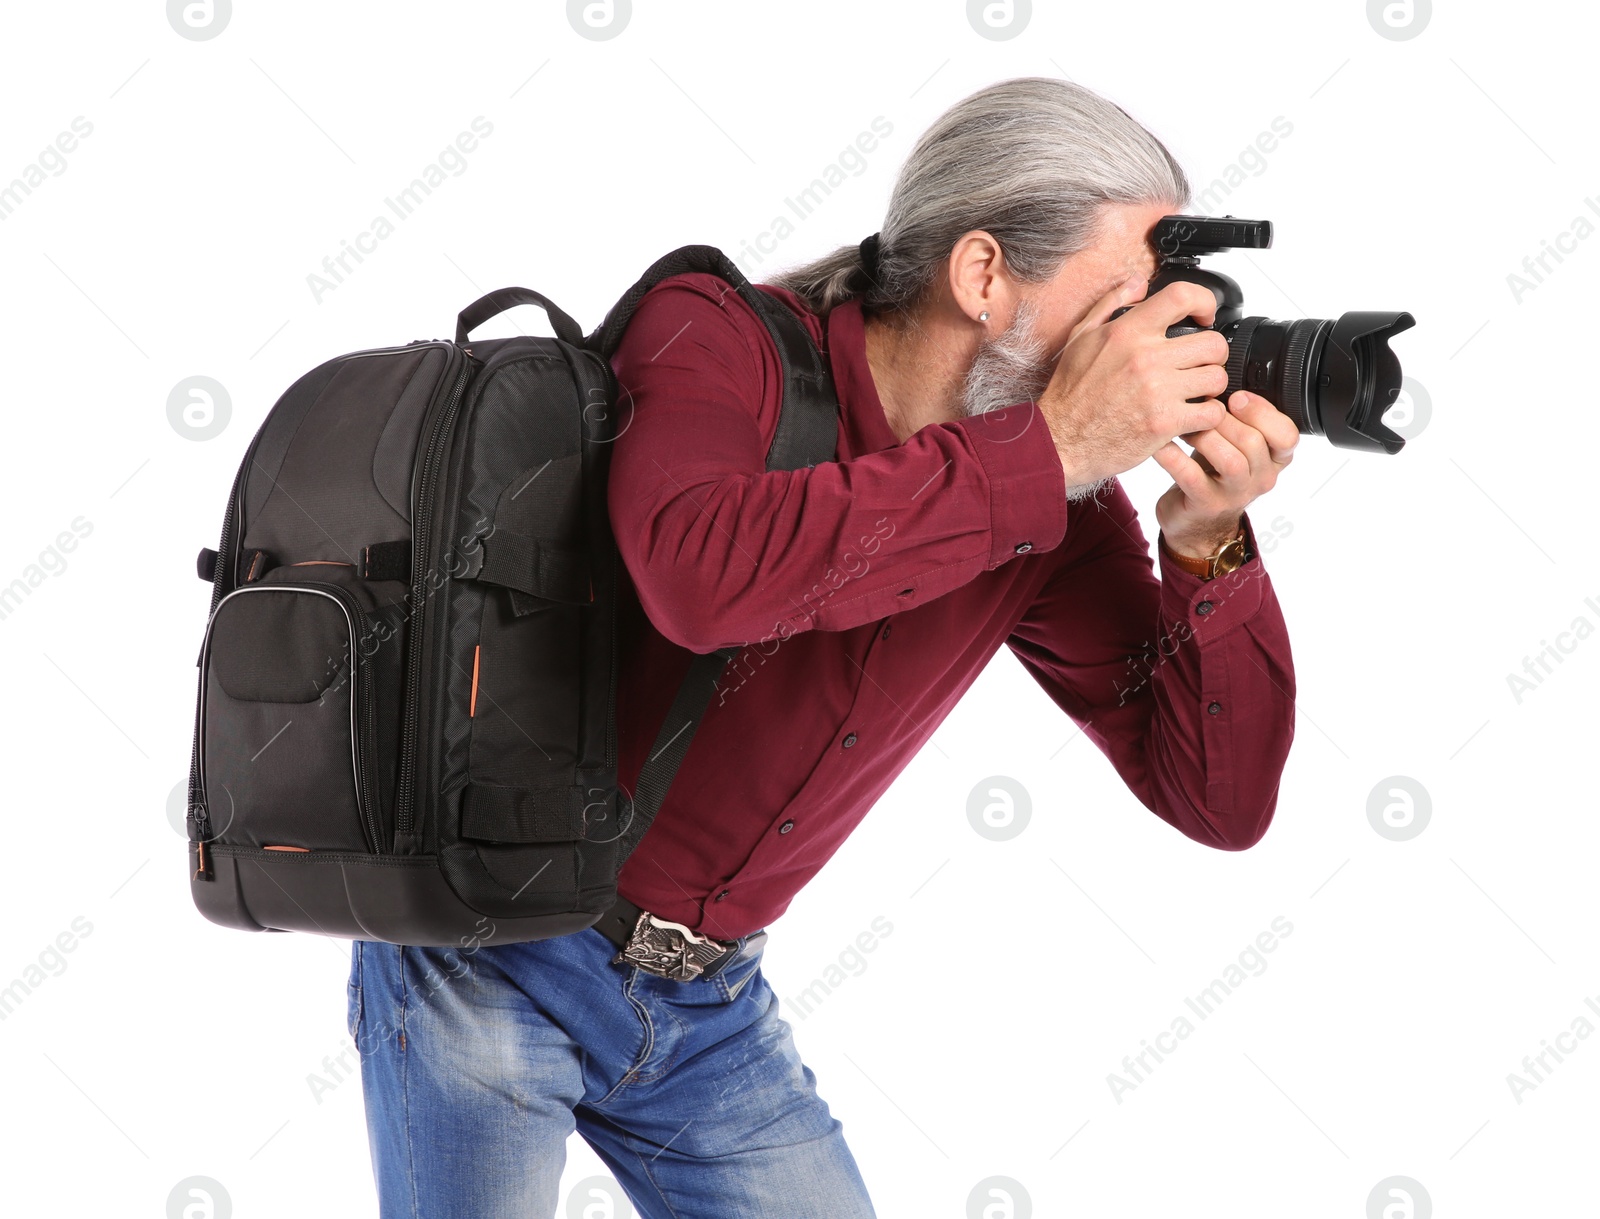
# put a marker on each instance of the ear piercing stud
(984, 316)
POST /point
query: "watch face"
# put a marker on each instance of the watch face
(1231, 556)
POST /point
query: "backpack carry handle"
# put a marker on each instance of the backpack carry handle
(486, 307)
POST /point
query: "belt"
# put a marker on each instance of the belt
(668, 950)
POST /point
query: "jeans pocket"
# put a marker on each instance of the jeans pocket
(352, 1016)
(734, 978)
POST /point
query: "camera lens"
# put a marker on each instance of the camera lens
(1333, 378)
(1278, 360)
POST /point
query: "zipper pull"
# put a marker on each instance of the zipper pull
(200, 817)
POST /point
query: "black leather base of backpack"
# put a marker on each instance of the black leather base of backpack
(405, 728)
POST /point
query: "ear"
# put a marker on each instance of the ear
(979, 280)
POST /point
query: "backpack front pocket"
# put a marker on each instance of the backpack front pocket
(300, 714)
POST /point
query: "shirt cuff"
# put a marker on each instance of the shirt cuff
(1027, 486)
(1212, 607)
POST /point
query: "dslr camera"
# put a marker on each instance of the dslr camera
(1333, 378)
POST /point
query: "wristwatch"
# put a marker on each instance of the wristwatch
(1230, 556)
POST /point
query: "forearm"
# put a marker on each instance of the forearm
(1139, 661)
(720, 558)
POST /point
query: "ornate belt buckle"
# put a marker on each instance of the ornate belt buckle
(668, 950)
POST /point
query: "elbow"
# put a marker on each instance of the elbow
(1248, 828)
(1222, 816)
(687, 615)
(684, 622)
(684, 590)
(692, 636)
(1222, 825)
(1243, 841)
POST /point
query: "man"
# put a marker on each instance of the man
(988, 401)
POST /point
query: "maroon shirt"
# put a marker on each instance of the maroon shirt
(871, 591)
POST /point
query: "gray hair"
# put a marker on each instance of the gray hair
(1030, 161)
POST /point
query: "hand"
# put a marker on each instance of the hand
(1232, 464)
(1121, 389)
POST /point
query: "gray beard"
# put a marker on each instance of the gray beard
(1012, 368)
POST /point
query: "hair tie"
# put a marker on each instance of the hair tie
(869, 258)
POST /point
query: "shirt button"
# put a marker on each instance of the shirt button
(1214, 709)
(887, 629)
(1024, 547)
(1203, 608)
(786, 827)
(849, 740)
(722, 895)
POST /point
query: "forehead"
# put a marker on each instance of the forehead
(1123, 242)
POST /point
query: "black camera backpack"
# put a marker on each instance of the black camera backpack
(405, 727)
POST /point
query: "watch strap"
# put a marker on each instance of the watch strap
(1205, 568)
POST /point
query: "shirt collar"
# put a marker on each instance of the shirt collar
(866, 428)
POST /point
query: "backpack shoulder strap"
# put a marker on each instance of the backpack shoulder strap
(807, 433)
(808, 423)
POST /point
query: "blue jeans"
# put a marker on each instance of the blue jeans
(476, 1066)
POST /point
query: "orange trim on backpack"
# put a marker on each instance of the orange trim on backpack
(305, 850)
(472, 707)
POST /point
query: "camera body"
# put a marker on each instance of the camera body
(1333, 378)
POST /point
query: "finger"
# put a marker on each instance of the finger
(1230, 464)
(1205, 381)
(1201, 347)
(1172, 304)
(1195, 483)
(1248, 440)
(1279, 430)
(1198, 457)
(1128, 291)
(1186, 416)
(1192, 439)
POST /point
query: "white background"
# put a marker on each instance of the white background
(978, 1040)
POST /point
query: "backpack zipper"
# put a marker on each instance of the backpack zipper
(199, 811)
(367, 794)
(421, 529)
